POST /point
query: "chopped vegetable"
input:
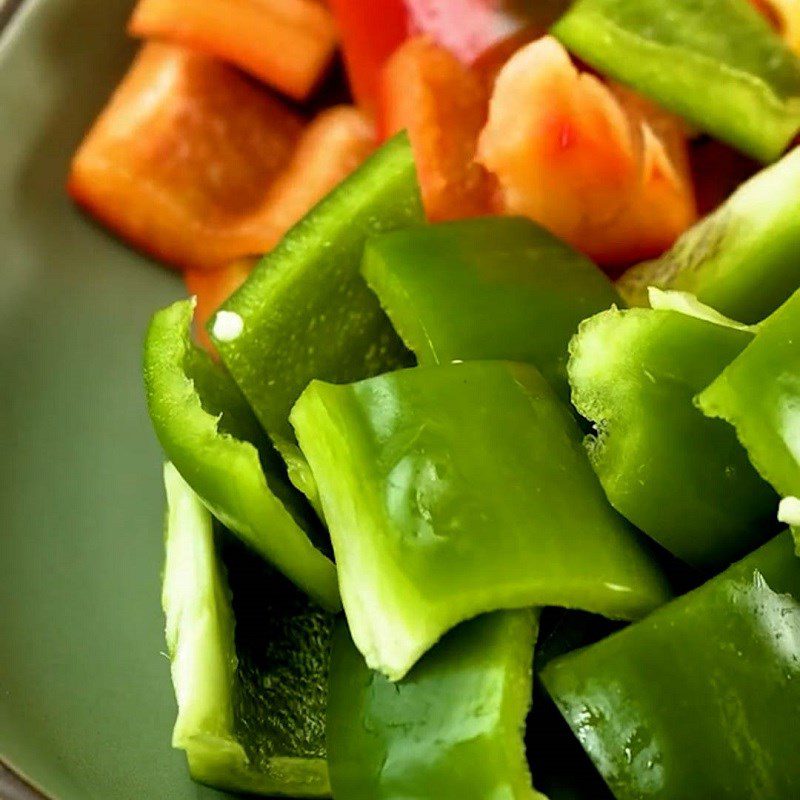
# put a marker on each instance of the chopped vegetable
(443, 106)
(451, 729)
(568, 155)
(716, 63)
(699, 699)
(286, 43)
(493, 288)
(306, 311)
(251, 694)
(759, 394)
(454, 490)
(742, 260)
(209, 433)
(681, 478)
(784, 16)
(181, 160)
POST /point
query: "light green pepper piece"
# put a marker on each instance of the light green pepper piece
(455, 490)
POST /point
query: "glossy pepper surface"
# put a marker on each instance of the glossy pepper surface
(715, 62)
(741, 259)
(698, 700)
(491, 288)
(454, 490)
(678, 476)
(759, 394)
(209, 433)
(251, 691)
(305, 311)
(451, 729)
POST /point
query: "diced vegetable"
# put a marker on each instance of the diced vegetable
(493, 288)
(454, 490)
(717, 63)
(567, 154)
(251, 694)
(742, 259)
(181, 160)
(209, 433)
(286, 43)
(305, 310)
(451, 729)
(443, 106)
(759, 394)
(681, 478)
(699, 699)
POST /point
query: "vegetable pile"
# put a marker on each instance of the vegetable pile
(482, 422)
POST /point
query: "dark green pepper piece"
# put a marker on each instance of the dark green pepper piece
(715, 62)
(700, 699)
(451, 729)
(305, 312)
(454, 490)
(681, 478)
(491, 288)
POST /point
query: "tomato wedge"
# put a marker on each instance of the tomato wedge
(181, 161)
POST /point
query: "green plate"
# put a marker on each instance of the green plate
(86, 705)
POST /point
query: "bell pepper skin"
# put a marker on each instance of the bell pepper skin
(306, 311)
(285, 43)
(180, 162)
(759, 394)
(742, 259)
(252, 690)
(469, 290)
(454, 490)
(211, 436)
(451, 729)
(698, 700)
(717, 63)
(681, 478)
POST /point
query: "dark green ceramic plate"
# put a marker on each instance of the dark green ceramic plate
(86, 706)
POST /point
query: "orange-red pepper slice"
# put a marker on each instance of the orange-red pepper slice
(286, 43)
(182, 160)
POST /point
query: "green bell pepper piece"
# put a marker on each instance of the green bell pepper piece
(209, 433)
(700, 699)
(251, 694)
(491, 288)
(743, 258)
(451, 729)
(305, 312)
(759, 394)
(454, 490)
(681, 478)
(715, 62)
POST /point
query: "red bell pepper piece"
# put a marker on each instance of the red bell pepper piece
(443, 106)
(181, 161)
(286, 43)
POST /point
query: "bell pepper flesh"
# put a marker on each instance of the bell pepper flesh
(490, 288)
(454, 490)
(742, 259)
(442, 105)
(180, 161)
(681, 478)
(699, 699)
(717, 63)
(211, 436)
(285, 43)
(759, 394)
(305, 310)
(452, 728)
(252, 691)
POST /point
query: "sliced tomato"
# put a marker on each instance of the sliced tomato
(182, 160)
(286, 43)
(569, 155)
(443, 106)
